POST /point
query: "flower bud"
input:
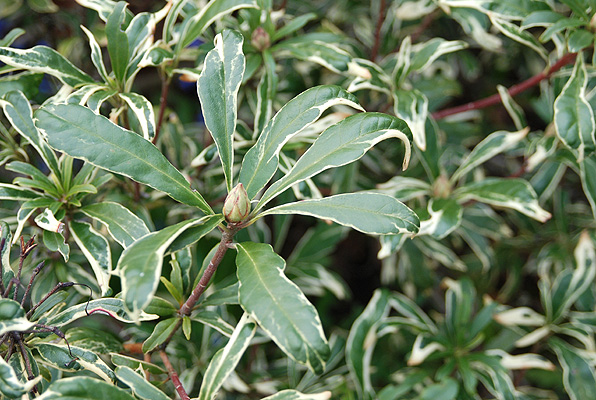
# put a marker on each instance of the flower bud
(237, 205)
(260, 39)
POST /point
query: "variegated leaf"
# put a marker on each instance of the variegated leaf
(341, 144)
(279, 307)
(445, 217)
(59, 356)
(45, 60)
(12, 317)
(84, 388)
(139, 385)
(218, 87)
(96, 249)
(122, 224)
(10, 384)
(225, 360)
(140, 264)
(143, 110)
(412, 107)
(96, 55)
(574, 117)
(513, 193)
(368, 212)
(262, 160)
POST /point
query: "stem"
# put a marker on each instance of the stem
(59, 286)
(2, 288)
(33, 276)
(173, 376)
(27, 362)
(513, 90)
(163, 101)
(226, 240)
(375, 50)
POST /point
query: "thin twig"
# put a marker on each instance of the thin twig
(173, 376)
(375, 50)
(163, 101)
(33, 276)
(59, 286)
(25, 356)
(513, 90)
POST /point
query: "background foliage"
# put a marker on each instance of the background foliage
(456, 262)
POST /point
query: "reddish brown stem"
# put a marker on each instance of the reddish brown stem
(513, 90)
(163, 101)
(375, 50)
(173, 376)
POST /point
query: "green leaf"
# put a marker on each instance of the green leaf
(447, 389)
(83, 388)
(341, 144)
(493, 144)
(160, 333)
(367, 212)
(261, 161)
(587, 174)
(118, 41)
(124, 226)
(143, 110)
(18, 111)
(215, 9)
(134, 363)
(224, 362)
(515, 111)
(95, 340)
(54, 241)
(14, 33)
(574, 117)
(290, 394)
(12, 317)
(445, 217)
(96, 249)
(81, 133)
(214, 320)
(425, 54)
(412, 107)
(218, 87)
(59, 356)
(513, 193)
(45, 60)
(10, 384)
(140, 264)
(317, 51)
(107, 306)
(579, 40)
(17, 193)
(279, 307)
(410, 310)
(6, 235)
(578, 373)
(139, 386)
(516, 33)
(361, 342)
(96, 55)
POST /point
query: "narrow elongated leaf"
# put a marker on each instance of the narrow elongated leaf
(341, 144)
(96, 55)
(412, 107)
(97, 250)
(445, 217)
(409, 309)
(84, 388)
(261, 161)
(139, 386)
(140, 264)
(574, 117)
(160, 334)
(143, 110)
(17, 193)
(13, 35)
(10, 384)
(279, 307)
(516, 33)
(495, 143)
(361, 342)
(587, 174)
(225, 360)
(59, 356)
(515, 111)
(12, 317)
(425, 54)
(218, 87)
(367, 212)
(118, 41)
(214, 10)
(578, 374)
(81, 133)
(214, 320)
(290, 394)
(516, 194)
(317, 51)
(122, 224)
(45, 60)
(135, 364)
(108, 306)
(18, 111)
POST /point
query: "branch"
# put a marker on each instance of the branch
(375, 50)
(163, 101)
(173, 376)
(513, 90)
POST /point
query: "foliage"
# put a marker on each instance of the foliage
(140, 193)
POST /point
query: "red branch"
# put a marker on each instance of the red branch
(375, 50)
(513, 90)
(165, 87)
(173, 376)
